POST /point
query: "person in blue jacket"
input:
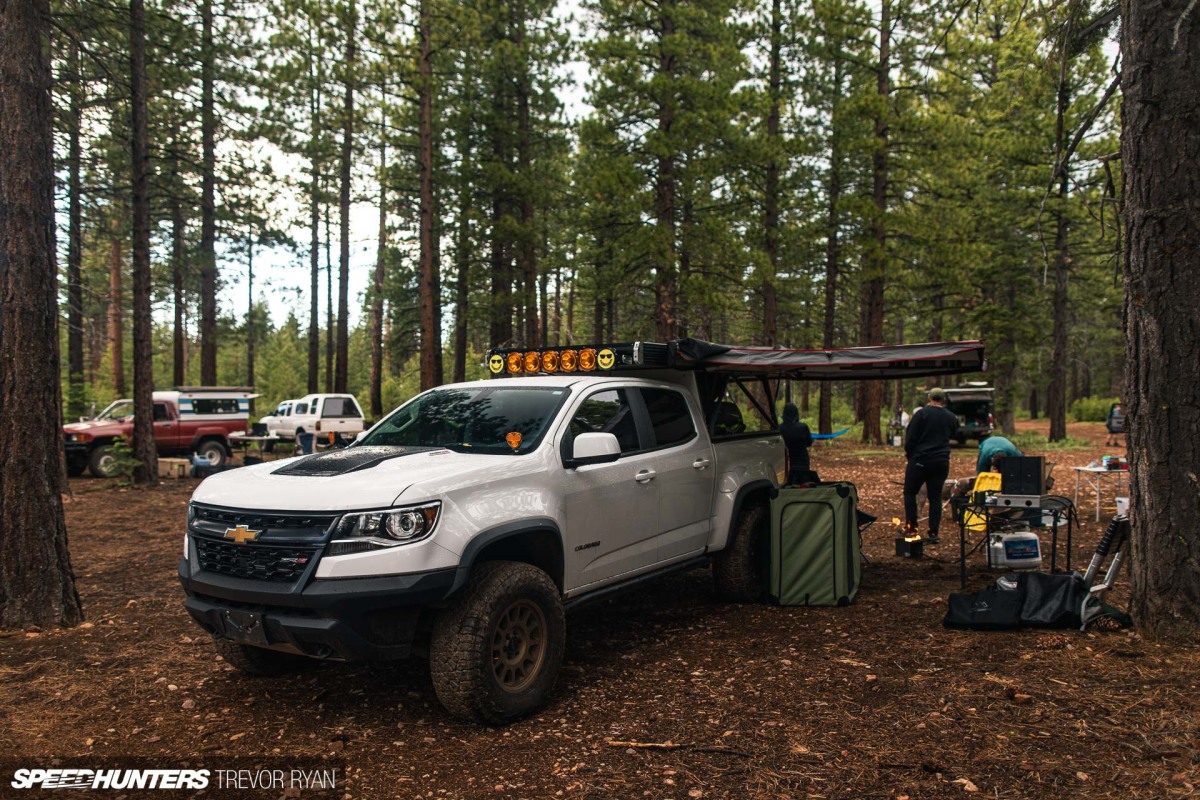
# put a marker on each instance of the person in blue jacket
(991, 450)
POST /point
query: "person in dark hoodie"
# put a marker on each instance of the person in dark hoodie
(927, 446)
(797, 438)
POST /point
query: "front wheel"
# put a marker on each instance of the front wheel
(497, 650)
(739, 569)
(102, 463)
(214, 451)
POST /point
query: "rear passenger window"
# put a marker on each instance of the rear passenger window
(607, 412)
(300, 408)
(339, 407)
(209, 405)
(669, 416)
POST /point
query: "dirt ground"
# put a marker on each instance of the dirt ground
(666, 692)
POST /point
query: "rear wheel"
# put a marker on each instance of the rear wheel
(497, 650)
(101, 462)
(740, 569)
(214, 451)
(258, 661)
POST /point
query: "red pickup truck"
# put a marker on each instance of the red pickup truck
(186, 420)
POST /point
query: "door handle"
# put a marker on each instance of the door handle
(701, 463)
(645, 476)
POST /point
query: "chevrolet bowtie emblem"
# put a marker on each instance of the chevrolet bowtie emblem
(241, 534)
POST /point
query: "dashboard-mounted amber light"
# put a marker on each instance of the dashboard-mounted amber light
(533, 361)
(513, 362)
(550, 361)
(587, 359)
(569, 360)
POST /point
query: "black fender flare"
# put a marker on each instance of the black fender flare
(507, 530)
(744, 492)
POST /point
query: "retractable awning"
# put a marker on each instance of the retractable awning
(840, 364)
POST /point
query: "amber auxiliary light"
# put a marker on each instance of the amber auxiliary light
(533, 361)
(569, 359)
(513, 362)
(587, 359)
(550, 361)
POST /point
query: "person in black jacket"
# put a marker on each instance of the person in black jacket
(927, 446)
(797, 438)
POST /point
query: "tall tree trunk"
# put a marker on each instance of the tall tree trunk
(343, 314)
(178, 259)
(75, 377)
(1056, 394)
(37, 585)
(833, 253)
(558, 303)
(1033, 402)
(571, 310)
(208, 208)
(314, 247)
(871, 318)
(771, 199)
(1005, 365)
(250, 332)
(329, 327)
(664, 183)
(116, 310)
(527, 257)
(377, 289)
(462, 255)
(144, 449)
(1162, 247)
(431, 335)
(543, 281)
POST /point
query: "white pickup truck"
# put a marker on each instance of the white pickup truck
(319, 414)
(467, 521)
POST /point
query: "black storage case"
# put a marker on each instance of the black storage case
(1021, 475)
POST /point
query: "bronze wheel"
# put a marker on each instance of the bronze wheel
(518, 646)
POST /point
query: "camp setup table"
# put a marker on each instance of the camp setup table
(1059, 509)
(259, 441)
(1095, 477)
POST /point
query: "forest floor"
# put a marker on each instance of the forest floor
(666, 692)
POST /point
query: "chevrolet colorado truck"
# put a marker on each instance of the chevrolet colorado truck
(186, 420)
(464, 524)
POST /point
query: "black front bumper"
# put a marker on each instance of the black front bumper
(348, 619)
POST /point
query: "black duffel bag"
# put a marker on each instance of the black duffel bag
(1034, 600)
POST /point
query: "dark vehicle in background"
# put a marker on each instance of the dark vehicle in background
(974, 405)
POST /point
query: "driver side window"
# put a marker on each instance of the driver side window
(607, 411)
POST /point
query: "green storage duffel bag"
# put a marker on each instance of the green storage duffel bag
(815, 547)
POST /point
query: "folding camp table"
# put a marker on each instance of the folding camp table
(1094, 477)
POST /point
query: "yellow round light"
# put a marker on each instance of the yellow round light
(533, 361)
(569, 360)
(514, 362)
(550, 361)
(587, 359)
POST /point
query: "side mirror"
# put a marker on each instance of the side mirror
(594, 448)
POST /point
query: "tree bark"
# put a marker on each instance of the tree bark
(343, 314)
(329, 326)
(314, 247)
(377, 289)
(1056, 393)
(144, 448)
(1160, 150)
(832, 247)
(664, 184)
(250, 312)
(430, 302)
(75, 377)
(116, 309)
(871, 320)
(771, 198)
(208, 208)
(37, 585)
(178, 258)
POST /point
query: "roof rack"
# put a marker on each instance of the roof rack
(845, 363)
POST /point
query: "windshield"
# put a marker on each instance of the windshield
(495, 420)
(117, 410)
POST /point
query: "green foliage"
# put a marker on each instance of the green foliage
(1092, 409)
(124, 464)
(1029, 441)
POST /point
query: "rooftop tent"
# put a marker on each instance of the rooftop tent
(841, 364)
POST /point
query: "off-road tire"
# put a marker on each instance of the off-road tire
(100, 462)
(738, 569)
(481, 674)
(211, 448)
(257, 660)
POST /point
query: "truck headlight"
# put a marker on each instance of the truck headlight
(392, 527)
(76, 437)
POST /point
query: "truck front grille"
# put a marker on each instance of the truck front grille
(215, 521)
(253, 561)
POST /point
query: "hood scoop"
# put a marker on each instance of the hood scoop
(342, 462)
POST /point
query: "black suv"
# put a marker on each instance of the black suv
(974, 405)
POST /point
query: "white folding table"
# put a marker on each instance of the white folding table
(1095, 477)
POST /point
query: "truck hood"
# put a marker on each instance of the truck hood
(356, 478)
(91, 426)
